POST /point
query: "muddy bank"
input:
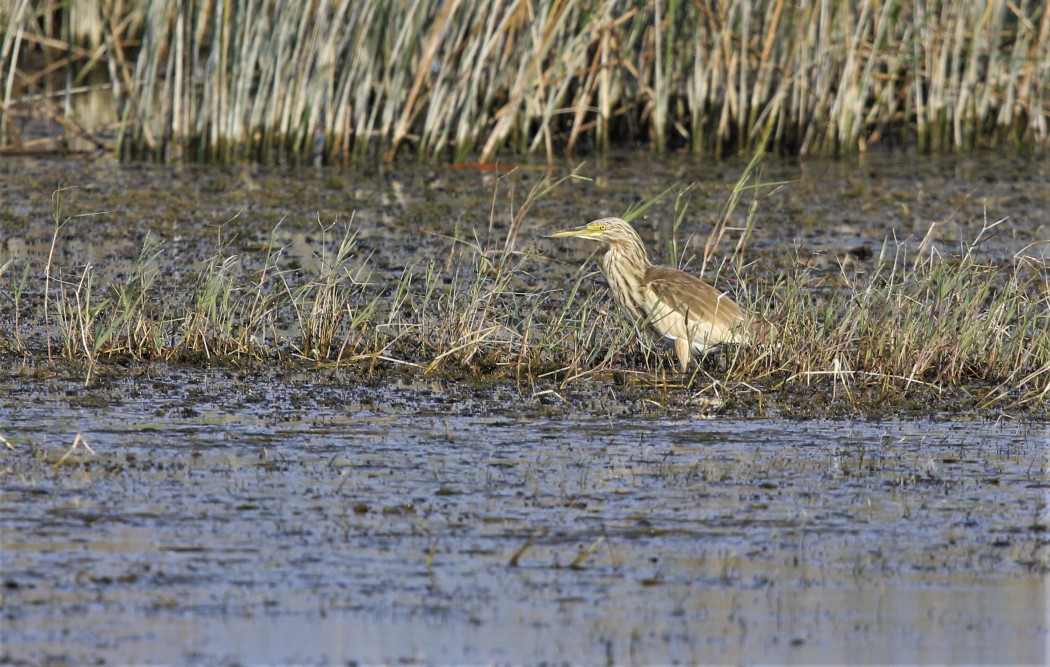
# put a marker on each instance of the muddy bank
(445, 272)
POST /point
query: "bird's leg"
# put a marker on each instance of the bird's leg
(683, 349)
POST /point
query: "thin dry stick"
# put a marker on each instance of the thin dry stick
(77, 442)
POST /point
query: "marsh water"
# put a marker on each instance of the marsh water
(228, 513)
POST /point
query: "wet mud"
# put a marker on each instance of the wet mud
(216, 517)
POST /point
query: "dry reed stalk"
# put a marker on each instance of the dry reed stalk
(268, 80)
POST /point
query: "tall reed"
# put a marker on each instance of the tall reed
(339, 81)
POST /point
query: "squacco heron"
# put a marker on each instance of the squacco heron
(683, 309)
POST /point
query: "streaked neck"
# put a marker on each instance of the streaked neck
(624, 267)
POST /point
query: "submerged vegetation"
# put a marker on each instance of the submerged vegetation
(344, 81)
(917, 325)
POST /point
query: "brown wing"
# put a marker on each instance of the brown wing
(694, 298)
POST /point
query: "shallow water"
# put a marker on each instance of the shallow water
(302, 514)
(233, 518)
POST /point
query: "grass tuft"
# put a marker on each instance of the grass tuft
(919, 326)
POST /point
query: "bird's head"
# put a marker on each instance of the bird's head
(613, 231)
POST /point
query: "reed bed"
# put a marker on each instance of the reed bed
(459, 79)
(919, 325)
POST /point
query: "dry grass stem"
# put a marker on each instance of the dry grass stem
(341, 81)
